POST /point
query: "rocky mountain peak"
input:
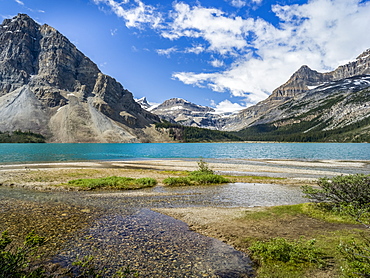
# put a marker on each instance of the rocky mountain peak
(361, 66)
(144, 103)
(305, 78)
(181, 104)
(298, 83)
(77, 103)
(19, 22)
(364, 55)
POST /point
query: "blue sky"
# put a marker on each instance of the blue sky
(228, 54)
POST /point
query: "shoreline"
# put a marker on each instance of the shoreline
(267, 167)
(228, 224)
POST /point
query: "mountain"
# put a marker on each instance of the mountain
(310, 106)
(305, 78)
(333, 100)
(143, 102)
(178, 110)
(49, 87)
(337, 111)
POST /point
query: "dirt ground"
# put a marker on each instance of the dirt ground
(232, 226)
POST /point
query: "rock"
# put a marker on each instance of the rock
(178, 110)
(48, 86)
(309, 90)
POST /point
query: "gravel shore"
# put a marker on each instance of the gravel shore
(133, 227)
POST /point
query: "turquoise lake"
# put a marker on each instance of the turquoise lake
(10, 153)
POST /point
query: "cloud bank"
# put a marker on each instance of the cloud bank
(321, 33)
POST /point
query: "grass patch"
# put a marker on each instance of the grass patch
(177, 181)
(202, 176)
(292, 255)
(326, 213)
(263, 178)
(310, 209)
(178, 173)
(113, 182)
(196, 179)
(336, 245)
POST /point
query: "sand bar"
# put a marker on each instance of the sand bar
(257, 167)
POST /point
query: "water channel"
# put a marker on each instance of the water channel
(129, 232)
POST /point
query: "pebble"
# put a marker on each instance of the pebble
(122, 230)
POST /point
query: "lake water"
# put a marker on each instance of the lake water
(10, 153)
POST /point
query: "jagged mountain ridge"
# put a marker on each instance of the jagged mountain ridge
(178, 110)
(336, 111)
(48, 86)
(307, 97)
(301, 84)
(305, 78)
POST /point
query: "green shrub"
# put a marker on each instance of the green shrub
(348, 196)
(195, 179)
(203, 167)
(357, 256)
(180, 181)
(291, 252)
(147, 182)
(202, 176)
(208, 179)
(352, 189)
(114, 183)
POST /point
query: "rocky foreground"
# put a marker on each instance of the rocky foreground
(132, 228)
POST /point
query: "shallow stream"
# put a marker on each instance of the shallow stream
(129, 232)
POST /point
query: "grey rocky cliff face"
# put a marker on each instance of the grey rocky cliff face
(181, 111)
(304, 78)
(301, 83)
(304, 84)
(298, 83)
(43, 61)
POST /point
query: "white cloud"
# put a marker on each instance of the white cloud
(237, 3)
(197, 49)
(135, 13)
(217, 63)
(167, 52)
(227, 106)
(19, 2)
(242, 3)
(113, 32)
(321, 33)
(223, 34)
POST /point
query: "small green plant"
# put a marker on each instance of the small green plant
(348, 196)
(205, 179)
(295, 252)
(146, 182)
(179, 181)
(202, 176)
(126, 272)
(351, 189)
(357, 256)
(114, 183)
(16, 262)
(203, 167)
(208, 179)
(85, 267)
